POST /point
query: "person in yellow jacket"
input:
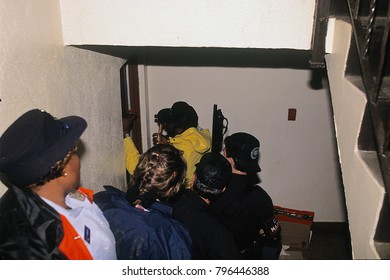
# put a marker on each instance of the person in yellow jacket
(180, 122)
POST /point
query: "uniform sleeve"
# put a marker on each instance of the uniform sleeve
(131, 154)
(223, 246)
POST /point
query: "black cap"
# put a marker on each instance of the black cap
(244, 149)
(180, 114)
(213, 171)
(34, 143)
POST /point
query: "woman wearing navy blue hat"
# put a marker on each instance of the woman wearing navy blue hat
(45, 214)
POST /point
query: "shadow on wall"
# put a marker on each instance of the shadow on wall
(222, 57)
(217, 57)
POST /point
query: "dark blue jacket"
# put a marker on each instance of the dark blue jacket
(150, 234)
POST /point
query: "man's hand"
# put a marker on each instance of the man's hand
(128, 122)
(159, 139)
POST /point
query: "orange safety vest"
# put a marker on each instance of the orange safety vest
(72, 244)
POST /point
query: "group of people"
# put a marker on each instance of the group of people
(183, 201)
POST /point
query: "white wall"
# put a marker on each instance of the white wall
(37, 71)
(201, 23)
(300, 167)
(364, 194)
(299, 159)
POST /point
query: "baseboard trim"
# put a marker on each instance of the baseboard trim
(330, 227)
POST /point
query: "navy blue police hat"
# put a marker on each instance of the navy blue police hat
(32, 144)
(244, 149)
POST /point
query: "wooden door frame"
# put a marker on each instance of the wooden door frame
(130, 100)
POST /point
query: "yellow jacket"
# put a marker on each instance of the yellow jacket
(131, 154)
(193, 142)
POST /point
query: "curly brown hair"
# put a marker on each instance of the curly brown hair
(160, 170)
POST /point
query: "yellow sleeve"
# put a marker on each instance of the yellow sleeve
(131, 154)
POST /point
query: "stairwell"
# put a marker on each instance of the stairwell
(367, 69)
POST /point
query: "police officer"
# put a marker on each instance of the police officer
(245, 208)
(210, 239)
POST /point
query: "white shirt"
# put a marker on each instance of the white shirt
(89, 222)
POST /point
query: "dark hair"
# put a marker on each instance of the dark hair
(184, 116)
(161, 171)
(180, 116)
(186, 124)
(56, 171)
(213, 173)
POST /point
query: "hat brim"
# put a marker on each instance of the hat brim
(249, 167)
